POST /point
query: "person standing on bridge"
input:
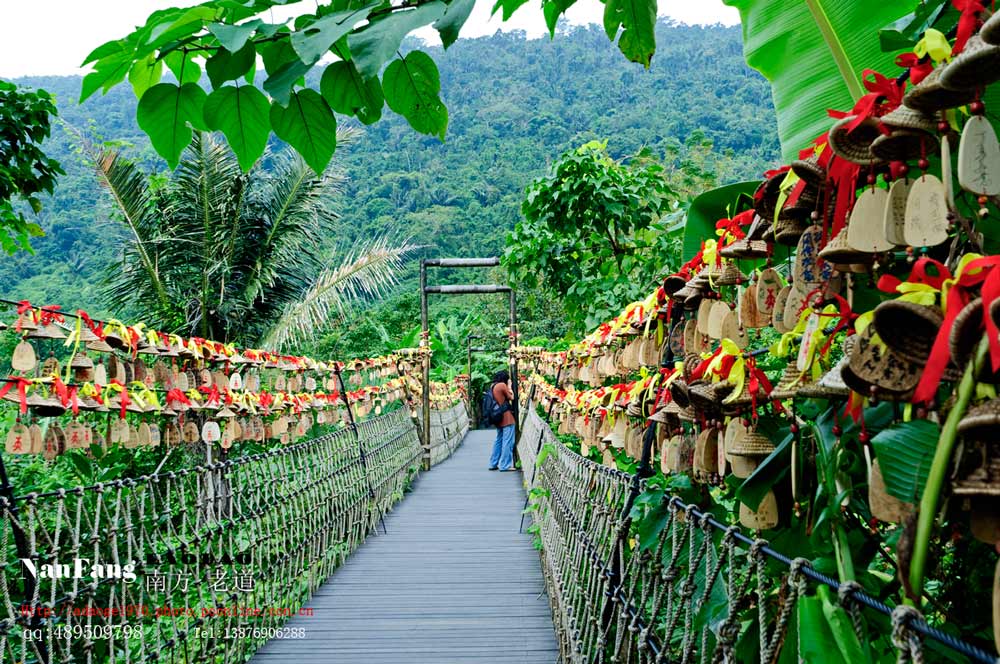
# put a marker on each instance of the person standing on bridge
(501, 415)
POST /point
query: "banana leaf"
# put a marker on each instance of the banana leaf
(814, 53)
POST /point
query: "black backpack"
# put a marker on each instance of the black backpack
(492, 412)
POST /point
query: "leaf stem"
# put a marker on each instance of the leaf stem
(836, 49)
(939, 469)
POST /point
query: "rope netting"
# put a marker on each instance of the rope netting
(702, 592)
(201, 564)
(448, 429)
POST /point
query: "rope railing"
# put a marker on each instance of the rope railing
(694, 593)
(448, 429)
(200, 564)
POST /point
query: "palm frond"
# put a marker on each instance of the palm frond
(367, 271)
(288, 218)
(139, 270)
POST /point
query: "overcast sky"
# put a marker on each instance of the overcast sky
(53, 36)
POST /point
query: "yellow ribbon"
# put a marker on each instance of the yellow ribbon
(934, 44)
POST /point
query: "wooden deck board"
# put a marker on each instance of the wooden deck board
(452, 582)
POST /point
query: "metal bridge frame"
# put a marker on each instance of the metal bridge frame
(477, 289)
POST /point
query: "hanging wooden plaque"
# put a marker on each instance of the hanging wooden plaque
(731, 330)
(715, 317)
(947, 177)
(764, 517)
(743, 466)
(778, 315)
(794, 306)
(802, 362)
(18, 440)
(884, 507)
(768, 284)
(894, 216)
(189, 434)
(810, 270)
(979, 158)
(24, 358)
(76, 436)
(676, 339)
(866, 228)
(51, 445)
(749, 316)
(926, 213)
(132, 441)
(35, 435)
(704, 312)
(210, 432)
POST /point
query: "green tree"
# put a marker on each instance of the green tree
(226, 256)
(592, 233)
(225, 39)
(25, 171)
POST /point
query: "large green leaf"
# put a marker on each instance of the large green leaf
(349, 93)
(638, 18)
(227, 66)
(707, 209)
(145, 74)
(411, 87)
(242, 114)
(183, 67)
(379, 41)
(308, 125)
(165, 112)
(315, 40)
(284, 69)
(814, 52)
(816, 641)
(233, 37)
(905, 451)
(454, 18)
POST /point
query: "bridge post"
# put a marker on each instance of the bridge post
(425, 361)
(513, 366)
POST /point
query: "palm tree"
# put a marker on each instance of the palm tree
(235, 257)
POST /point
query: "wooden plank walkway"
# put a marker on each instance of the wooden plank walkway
(452, 583)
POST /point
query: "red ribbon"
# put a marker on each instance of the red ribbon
(846, 317)
(123, 396)
(699, 370)
(22, 307)
(732, 228)
(212, 393)
(968, 22)
(22, 390)
(920, 68)
(96, 328)
(845, 177)
(51, 315)
(67, 394)
(884, 95)
(887, 283)
(978, 272)
(854, 406)
(177, 396)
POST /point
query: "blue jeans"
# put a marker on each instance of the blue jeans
(503, 448)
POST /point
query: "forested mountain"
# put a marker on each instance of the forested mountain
(514, 104)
